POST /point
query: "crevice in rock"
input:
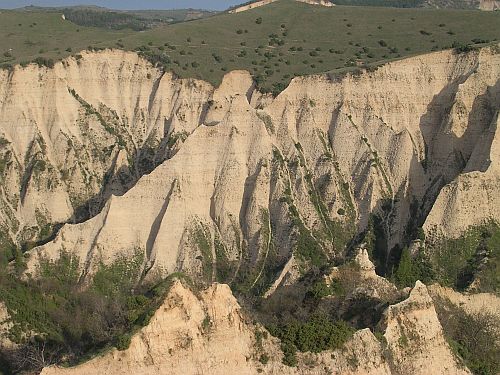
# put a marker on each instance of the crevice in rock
(155, 228)
(154, 90)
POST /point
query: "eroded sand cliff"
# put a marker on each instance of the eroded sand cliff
(326, 153)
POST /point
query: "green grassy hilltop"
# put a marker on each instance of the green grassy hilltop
(274, 42)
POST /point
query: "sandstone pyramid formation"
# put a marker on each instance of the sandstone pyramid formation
(238, 180)
(209, 334)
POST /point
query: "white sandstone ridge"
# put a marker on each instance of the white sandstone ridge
(471, 303)
(73, 135)
(259, 3)
(415, 337)
(324, 3)
(472, 198)
(255, 173)
(251, 5)
(209, 334)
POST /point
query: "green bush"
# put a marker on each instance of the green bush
(317, 334)
(123, 341)
(474, 255)
(462, 47)
(410, 270)
(264, 359)
(43, 61)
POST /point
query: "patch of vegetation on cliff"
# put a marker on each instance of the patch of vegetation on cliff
(473, 337)
(316, 334)
(270, 264)
(175, 136)
(307, 247)
(376, 242)
(203, 240)
(473, 256)
(335, 231)
(223, 266)
(255, 276)
(8, 250)
(268, 122)
(91, 111)
(58, 319)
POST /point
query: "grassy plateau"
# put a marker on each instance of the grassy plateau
(275, 42)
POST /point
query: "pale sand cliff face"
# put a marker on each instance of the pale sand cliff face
(59, 154)
(324, 3)
(399, 133)
(253, 5)
(415, 337)
(489, 5)
(374, 132)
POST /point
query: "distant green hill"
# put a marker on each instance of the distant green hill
(138, 20)
(274, 42)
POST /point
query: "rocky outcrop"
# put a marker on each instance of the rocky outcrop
(251, 5)
(489, 5)
(5, 325)
(415, 338)
(324, 3)
(208, 334)
(246, 179)
(473, 198)
(72, 136)
(361, 279)
(188, 335)
(474, 303)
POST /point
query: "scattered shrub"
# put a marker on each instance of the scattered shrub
(43, 61)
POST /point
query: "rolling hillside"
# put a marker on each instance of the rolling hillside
(275, 42)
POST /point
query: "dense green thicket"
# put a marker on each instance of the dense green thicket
(455, 262)
(317, 334)
(71, 321)
(409, 269)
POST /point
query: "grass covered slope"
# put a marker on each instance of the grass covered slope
(274, 42)
(25, 36)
